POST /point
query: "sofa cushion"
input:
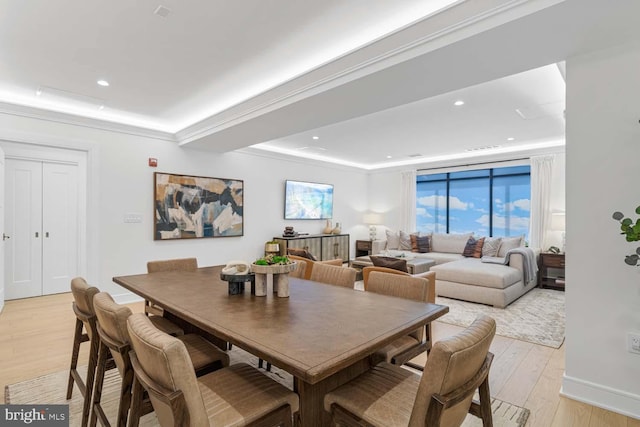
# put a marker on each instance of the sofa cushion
(450, 243)
(491, 246)
(389, 262)
(420, 243)
(393, 240)
(509, 243)
(473, 248)
(472, 271)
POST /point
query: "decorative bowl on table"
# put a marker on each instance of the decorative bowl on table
(273, 270)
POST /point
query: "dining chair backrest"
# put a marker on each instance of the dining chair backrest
(402, 286)
(83, 301)
(334, 275)
(112, 321)
(178, 264)
(300, 271)
(453, 362)
(164, 361)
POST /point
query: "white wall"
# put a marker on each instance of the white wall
(603, 293)
(121, 182)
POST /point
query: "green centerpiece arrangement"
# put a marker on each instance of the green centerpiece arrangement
(631, 231)
(273, 271)
(273, 260)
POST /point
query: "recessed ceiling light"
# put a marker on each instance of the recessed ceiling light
(511, 139)
(39, 92)
(103, 83)
(458, 103)
(315, 137)
(389, 157)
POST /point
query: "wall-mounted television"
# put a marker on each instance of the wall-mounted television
(308, 200)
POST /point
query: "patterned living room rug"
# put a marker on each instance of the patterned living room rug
(536, 317)
(50, 389)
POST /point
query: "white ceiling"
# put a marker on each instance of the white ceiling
(371, 79)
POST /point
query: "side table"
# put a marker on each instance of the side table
(551, 271)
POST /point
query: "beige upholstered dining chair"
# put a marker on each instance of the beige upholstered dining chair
(334, 275)
(85, 319)
(114, 339)
(309, 263)
(421, 289)
(389, 395)
(237, 395)
(155, 312)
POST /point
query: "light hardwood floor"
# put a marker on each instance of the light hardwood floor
(36, 336)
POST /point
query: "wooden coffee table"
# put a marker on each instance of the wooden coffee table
(414, 265)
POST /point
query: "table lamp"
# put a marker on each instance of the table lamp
(372, 219)
(558, 224)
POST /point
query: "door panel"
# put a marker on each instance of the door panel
(23, 222)
(2, 230)
(59, 227)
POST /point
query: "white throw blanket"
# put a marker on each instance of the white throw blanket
(529, 265)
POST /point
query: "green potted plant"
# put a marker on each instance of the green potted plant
(631, 231)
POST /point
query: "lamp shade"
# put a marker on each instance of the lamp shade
(558, 221)
(372, 218)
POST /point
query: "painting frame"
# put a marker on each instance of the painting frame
(194, 207)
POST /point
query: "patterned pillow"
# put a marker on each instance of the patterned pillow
(393, 240)
(473, 248)
(405, 240)
(389, 262)
(509, 243)
(301, 253)
(491, 245)
(420, 243)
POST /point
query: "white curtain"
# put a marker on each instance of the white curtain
(408, 202)
(541, 171)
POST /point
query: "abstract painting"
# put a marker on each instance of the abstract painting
(188, 207)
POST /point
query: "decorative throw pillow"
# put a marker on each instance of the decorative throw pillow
(491, 245)
(393, 240)
(405, 240)
(419, 243)
(389, 262)
(473, 248)
(509, 243)
(301, 253)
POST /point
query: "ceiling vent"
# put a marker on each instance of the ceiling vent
(52, 95)
(486, 147)
(415, 155)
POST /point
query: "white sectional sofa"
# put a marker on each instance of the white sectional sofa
(477, 278)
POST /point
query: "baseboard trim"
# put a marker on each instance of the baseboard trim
(127, 298)
(608, 398)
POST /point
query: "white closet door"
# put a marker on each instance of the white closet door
(23, 224)
(59, 226)
(2, 230)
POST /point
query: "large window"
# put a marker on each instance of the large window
(487, 202)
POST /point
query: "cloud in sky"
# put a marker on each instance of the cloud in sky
(423, 213)
(523, 204)
(441, 202)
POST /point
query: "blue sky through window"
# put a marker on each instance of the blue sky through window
(474, 197)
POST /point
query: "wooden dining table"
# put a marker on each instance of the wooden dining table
(321, 334)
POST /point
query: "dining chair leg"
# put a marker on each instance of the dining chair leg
(91, 373)
(137, 395)
(78, 338)
(96, 409)
(125, 398)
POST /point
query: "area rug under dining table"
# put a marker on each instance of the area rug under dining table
(537, 317)
(50, 389)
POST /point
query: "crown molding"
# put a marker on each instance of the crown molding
(456, 22)
(87, 122)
